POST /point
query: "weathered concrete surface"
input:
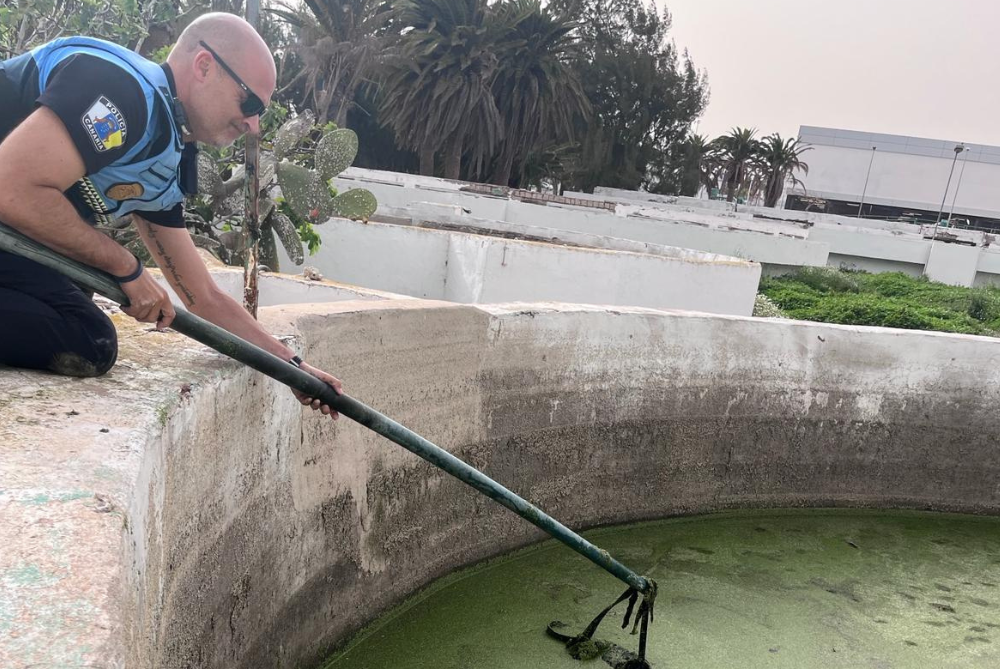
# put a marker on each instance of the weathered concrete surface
(252, 534)
(70, 450)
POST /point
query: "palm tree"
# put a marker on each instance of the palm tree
(736, 152)
(536, 89)
(781, 159)
(340, 44)
(698, 165)
(437, 92)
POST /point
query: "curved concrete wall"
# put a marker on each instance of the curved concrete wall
(260, 537)
(781, 239)
(480, 269)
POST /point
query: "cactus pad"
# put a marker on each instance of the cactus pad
(289, 236)
(292, 132)
(335, 152)
(357, 204)
(305, 192)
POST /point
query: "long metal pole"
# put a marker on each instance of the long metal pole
(229, 344)
(865, 190)
(937, 221)
(961, 173)
(251, 217)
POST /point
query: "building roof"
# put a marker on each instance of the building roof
(914, 146)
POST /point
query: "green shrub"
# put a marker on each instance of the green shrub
(984, 305)
(826, 279)
(891, 299)
(893, 284)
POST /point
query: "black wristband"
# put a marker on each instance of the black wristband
(134, 275)
(296, 361)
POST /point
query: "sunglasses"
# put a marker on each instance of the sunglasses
(252, 105)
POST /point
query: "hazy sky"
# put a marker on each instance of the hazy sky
(927, 68)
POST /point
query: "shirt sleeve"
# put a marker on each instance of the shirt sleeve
(171, 218)
(102, 106)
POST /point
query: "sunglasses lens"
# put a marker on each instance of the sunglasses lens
(252, 106)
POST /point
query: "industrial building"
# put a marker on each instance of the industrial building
(895, 177)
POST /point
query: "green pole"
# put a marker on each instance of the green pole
(230, 345)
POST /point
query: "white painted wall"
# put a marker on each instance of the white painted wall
(403, 190)
(988, 269)
(874, 265)
(688, 230)
(954, 264)
(425, 213)
(873, 244)
(906, 171)
(384, 257)
(642, 224)
(780, 239)
(719, 236)
(469, 268)
(282, 288)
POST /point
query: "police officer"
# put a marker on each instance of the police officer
(90, 130)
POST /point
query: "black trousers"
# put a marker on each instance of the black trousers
(47, 322)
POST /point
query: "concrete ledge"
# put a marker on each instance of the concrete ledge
(243, 532)
(464, 267)
(779, 239)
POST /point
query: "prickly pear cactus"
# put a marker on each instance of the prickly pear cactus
(289, 236)
(309, 195)
(291, 133)
(305, 191)
(357, 204)
(335, 152)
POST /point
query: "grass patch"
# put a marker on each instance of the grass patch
(889, 299)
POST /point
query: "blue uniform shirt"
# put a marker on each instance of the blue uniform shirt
(119, 111)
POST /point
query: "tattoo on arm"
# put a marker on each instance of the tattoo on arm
(168, 266)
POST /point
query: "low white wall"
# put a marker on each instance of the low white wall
(988, 269)
(873, 244)
(983, 280)
(468, 268)
(432, 215)
(757, 246)
(952, 263)
(761, 241)
(282, 288)
(402, 190)
(778, 238)
(874, 265)
(766, 242)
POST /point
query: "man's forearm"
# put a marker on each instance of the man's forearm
(45, 215)
(230, 315)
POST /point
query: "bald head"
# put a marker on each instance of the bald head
(229, 35)
(220, 65)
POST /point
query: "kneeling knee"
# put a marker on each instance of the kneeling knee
(95, 359)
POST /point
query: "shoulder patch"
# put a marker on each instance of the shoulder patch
(105, 124)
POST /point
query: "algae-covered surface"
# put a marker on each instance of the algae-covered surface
(785, 589)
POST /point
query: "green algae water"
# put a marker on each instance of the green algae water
(776, 589)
